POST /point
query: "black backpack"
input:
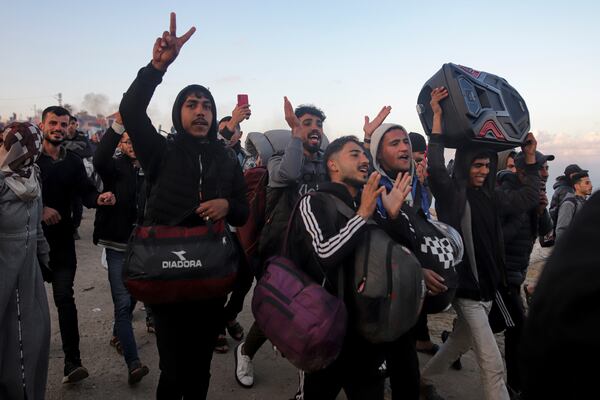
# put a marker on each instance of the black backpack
(387, 286)
(554, 214)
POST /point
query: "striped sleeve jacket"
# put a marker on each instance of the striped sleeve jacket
(325, 240)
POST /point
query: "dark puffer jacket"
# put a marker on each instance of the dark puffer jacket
(520, 231)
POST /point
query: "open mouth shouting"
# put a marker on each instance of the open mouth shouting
(314, 139)
(364, 169)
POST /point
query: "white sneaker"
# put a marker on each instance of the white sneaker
(244, 370)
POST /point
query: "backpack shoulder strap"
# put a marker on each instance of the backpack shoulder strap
(574, 201)
(344, 209)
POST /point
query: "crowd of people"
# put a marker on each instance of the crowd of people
(472, 226)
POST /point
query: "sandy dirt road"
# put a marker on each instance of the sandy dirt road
(275, 378)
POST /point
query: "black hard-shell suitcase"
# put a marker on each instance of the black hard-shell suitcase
(480, 107)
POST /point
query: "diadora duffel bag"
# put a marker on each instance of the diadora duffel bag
(170, 264)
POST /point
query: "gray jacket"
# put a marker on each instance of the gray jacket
(567, 211)
(292, 168)
(22, 243)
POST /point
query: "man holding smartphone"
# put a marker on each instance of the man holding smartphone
(229, 126)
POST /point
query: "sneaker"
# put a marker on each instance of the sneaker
(222, 346)
(114, 342)
(244, 370)
(428, 392)
(74, 373)
(136, 372)
(457, 364)
(235, 330)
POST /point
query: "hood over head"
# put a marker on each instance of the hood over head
(176, 113)
(462, 164)
(376, 140)
(561, 180)
(503, 157)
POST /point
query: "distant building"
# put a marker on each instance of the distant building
(90, 124)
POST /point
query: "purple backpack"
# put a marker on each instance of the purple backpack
(304, 321)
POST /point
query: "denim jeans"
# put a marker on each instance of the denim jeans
(124, 305)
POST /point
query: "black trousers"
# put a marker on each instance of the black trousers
(241, 288)
(421, 328)
(254, 340)
(403, 366)
(512, 337)
(356, 370)
(77, 209)
(185, 336)
(63, 263)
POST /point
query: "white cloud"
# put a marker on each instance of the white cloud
(570, 146)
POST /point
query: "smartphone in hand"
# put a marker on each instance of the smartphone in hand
(242, 99)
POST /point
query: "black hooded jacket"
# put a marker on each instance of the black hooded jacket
(477, 280)
(561, 187)
(520, 231)
(184, 170)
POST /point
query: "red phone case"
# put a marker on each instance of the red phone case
(242, 99)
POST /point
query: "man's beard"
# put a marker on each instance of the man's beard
(312, 149)
(55, 142)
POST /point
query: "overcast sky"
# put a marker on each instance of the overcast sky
(349, 58)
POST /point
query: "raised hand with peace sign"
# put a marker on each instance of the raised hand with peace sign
(167, 47)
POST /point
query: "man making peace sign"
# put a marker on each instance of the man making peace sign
(191, 172)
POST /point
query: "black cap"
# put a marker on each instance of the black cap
(571, 169)
(417, 142)
(540, 159)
